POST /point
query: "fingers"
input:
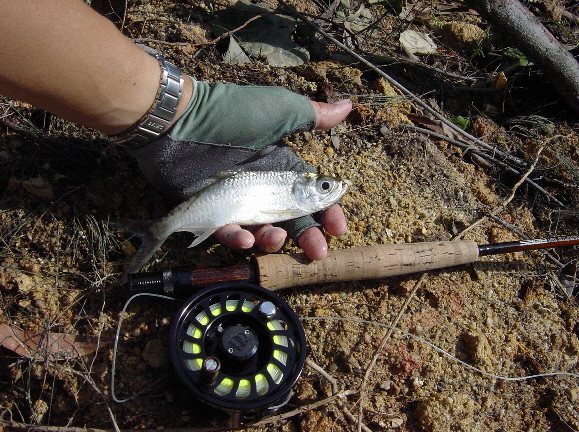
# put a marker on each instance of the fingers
(269, 238)
(329, 115)
(234, 236)
(333, 220)
(313, 243)
(266, 237)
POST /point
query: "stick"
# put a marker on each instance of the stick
(512, 18)
(334, 384)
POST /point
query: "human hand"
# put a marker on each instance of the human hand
(230, 127)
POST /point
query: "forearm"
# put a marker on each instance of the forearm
(62, 56)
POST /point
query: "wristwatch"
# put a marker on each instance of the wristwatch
(157, 120)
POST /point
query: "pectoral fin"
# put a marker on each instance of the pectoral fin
(202, 236)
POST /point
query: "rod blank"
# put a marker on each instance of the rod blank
(527, 245)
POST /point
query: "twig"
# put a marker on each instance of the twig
(160, 42)
(323, 373)
(305, 408)
(334, 384)
(393, 61)
(211, 42)
(501, 207)
(354, 419)
(124, 15)
(526, 32)
(91, 382)
(485, 156)
(383, 343)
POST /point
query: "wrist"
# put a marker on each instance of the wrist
(163, 102)
(187, 95)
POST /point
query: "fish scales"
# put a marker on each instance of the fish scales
(246, 199)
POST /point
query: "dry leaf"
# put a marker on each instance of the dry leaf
(500, 81)
(434, 125)
(43, 346)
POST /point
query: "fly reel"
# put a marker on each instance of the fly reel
(238, 347)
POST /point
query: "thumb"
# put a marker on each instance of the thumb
(329, 115)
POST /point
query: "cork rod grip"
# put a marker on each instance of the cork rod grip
(278, 271)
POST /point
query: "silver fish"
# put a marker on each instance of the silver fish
(244, 198)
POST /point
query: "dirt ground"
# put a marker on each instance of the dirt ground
(466, 333)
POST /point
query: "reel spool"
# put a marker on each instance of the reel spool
(239, 348)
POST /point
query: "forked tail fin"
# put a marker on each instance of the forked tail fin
(151, 241)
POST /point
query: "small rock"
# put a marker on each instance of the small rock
(478, 349)
(128, 248)
(395, 423)
(336, 141)
(316, 421)
(414, 42)
(573, 394)
(39, 409)
(306, 393)
(417, 382)
(385, 385)
(350, 74)
(385, 88)
(155, 353)
(38, 187)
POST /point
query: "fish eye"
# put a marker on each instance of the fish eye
(324, 186)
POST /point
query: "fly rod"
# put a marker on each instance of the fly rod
(279, 271)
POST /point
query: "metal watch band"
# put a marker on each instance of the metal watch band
(156, 122)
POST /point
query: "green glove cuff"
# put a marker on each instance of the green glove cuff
(242, 116)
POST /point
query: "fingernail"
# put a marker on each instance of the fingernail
(342, 102)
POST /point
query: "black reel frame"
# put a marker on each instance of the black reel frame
(238, 347)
